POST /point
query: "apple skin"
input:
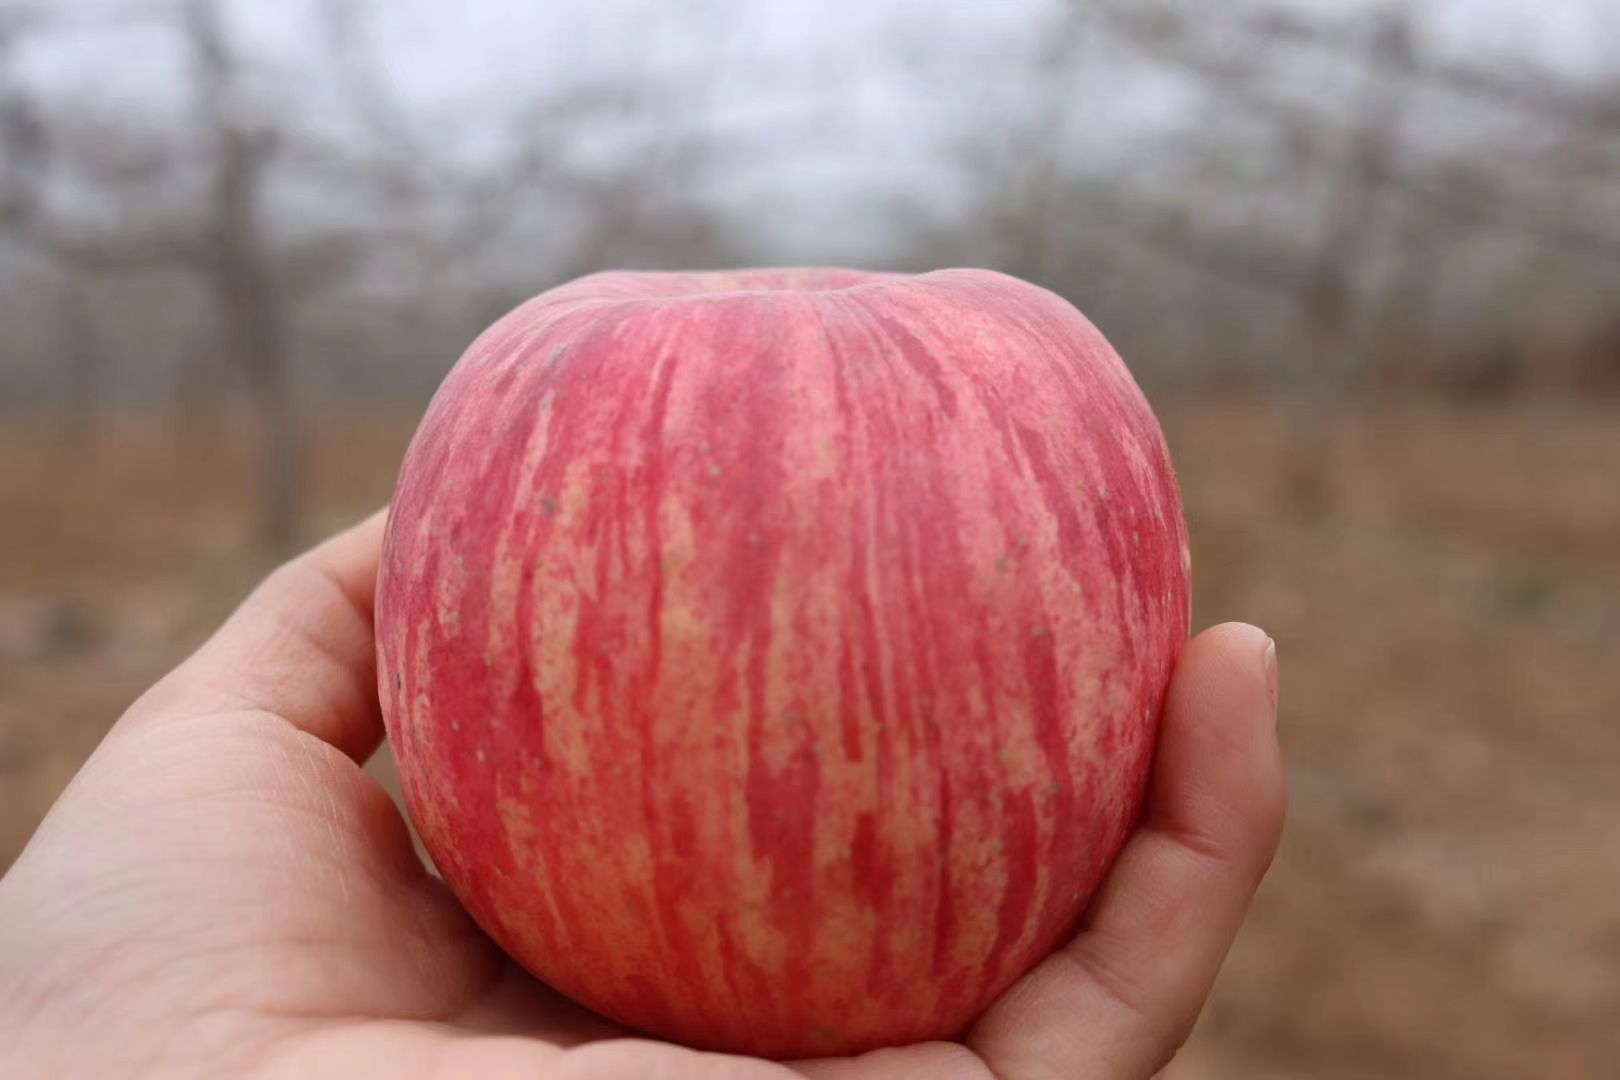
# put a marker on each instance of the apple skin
(774, 658)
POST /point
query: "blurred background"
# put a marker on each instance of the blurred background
(1364, 257)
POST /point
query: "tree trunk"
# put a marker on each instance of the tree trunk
(79, 352)
(280, 509)
(258, 328)
(238, 266)
(1327, 331)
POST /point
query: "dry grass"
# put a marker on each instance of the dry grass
(1447, 900)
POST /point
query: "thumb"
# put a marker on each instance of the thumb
(1124, 994)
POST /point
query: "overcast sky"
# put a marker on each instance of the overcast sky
(826, 96)
(461, 54)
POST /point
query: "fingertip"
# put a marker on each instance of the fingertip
(1237, 647)
(301, 646)
(1227, 676)
(350, 558)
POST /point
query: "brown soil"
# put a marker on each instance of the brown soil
(1447, 899)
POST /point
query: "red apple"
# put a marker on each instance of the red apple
(773, 659)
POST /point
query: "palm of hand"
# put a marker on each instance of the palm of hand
(224, 890)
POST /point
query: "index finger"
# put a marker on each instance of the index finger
(301, 646)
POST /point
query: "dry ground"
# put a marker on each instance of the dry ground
(1447, 899)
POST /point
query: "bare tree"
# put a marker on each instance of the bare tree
(231, 151)
(25, 158)
(1324, 124)
(1327, 332)
(235, 259)
(222, 240)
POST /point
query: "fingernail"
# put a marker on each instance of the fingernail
(1269, 662)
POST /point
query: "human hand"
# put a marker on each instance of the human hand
(223, 891)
